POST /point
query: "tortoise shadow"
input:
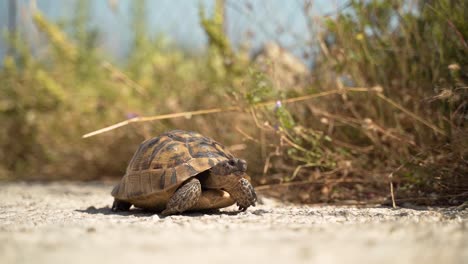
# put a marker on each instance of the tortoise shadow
(106, 210)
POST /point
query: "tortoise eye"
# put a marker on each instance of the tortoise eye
(232, 163)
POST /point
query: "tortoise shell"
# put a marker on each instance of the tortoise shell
(162, 164)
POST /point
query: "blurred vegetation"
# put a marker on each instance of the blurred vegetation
(407, 128)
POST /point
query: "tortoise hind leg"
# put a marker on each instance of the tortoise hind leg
(184, 198)
(119, 205)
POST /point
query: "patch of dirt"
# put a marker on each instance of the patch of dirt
(72, 223)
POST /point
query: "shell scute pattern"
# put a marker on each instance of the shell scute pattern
(142, 154)
(166, 161)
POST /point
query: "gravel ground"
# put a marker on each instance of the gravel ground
(72, 223)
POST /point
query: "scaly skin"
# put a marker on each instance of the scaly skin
(244, 194)
(184, 198)
(230, 176)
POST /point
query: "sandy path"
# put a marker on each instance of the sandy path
(71, 223)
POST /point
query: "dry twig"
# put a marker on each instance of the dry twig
(263, 104)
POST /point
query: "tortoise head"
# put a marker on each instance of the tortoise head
(226, 173)
(230, 176)
(231, 166)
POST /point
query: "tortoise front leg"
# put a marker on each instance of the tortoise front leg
(244, 194)
(184, 198)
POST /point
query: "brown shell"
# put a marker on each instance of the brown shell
(162, 163)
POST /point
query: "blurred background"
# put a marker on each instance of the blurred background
(328, 101)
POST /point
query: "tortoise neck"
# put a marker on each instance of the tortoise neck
(212, 181)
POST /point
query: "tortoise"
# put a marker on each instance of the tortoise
(183, 171)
